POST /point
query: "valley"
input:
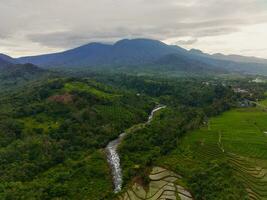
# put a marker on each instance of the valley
(133, 100)
(164, 126)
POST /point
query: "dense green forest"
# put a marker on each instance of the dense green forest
(52, 135)
(53, 131)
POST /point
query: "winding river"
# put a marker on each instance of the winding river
(113, 156)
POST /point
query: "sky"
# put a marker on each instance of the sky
(32, 27)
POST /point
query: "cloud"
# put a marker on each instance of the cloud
(61, 24)
(70, 38)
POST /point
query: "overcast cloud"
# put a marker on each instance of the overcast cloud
(30, 27)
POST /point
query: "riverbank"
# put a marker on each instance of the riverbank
(113, 156)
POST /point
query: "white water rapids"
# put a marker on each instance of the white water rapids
(113, 156)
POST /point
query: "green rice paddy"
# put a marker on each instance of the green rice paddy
(235, 145)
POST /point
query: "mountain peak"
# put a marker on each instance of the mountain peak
(7, 59)
(126, 51)
(138, 41)
(196, 51)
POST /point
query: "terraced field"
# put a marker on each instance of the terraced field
(164, 184)
(237, 138)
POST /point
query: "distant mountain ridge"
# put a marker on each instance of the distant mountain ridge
(146, 52)
(19, 70)
(238, 58)
(8, 59)
(13, 75)
(125, 51)
(3, 63)
(231, 57)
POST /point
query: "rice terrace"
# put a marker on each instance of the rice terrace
(237, 138)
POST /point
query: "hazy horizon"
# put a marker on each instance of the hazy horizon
(39, 27)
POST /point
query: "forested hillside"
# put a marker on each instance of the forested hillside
(14, 76)
(52, 135)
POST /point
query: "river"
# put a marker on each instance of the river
(113, 156)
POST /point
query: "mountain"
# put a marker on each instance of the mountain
(232, 57)
(7, 59)
(126, 53)
(123, 52)
(14, 75)
(238, 58)
(196, 51)
(176, 62)
(3, 63)
(9, 67)
(19, 70)
(232, 63)
(138, 52)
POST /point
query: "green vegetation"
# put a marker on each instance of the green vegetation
(53, 133)
(51, 139)
(72, 179)
(83, 87)
(264, 103)
(225, 159)
(218, 160)
(16, 76)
